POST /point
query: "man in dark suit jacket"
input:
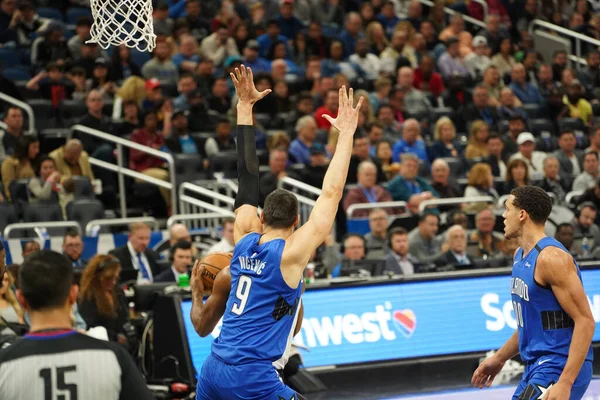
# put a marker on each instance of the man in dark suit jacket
(479, 109)
(567, 152)
(136, 256)
(457, 253)
(181, 259)
(399, 261)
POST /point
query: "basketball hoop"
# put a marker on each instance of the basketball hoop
(127, 22)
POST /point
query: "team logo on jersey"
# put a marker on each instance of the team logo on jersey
(534, 391)
(405, 322)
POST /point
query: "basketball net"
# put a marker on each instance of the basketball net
(127, 22)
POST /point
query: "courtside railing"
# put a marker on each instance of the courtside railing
(306, 195)
(195, 199)
(92, 228)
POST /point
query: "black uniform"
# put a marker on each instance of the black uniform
(64, 364)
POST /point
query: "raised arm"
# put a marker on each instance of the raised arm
(246, 200)
(314, 232)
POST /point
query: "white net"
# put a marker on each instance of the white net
(118, 22)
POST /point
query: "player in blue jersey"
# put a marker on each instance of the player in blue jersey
(555, 325)
(268, 261)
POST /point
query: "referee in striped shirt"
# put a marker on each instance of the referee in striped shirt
(53, 361)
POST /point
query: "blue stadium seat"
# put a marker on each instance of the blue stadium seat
(9, 57)
(51, 13)
(139, 58)
(73, 14)
(85, 210)
(575, 124)
(83, 187)
(16, 74)
(43, 111)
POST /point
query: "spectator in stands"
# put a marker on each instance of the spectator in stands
(10, 309)
(495, 159)
(94, 119)
(101, 79)
(493, 33)
(290, 25)
(456, 29)
(185, 87)
(490, 244)
(314, 173)
(329, 108)
(253, 60)
(222, 142)
(376, 38)
(509, 105)
(278, 160)
(398, 50)
(82, 33)
(480, 183)
(136, 256)
(426, 79)
(526, 92)
(22, 164)
(478, 60)
(51, 84)
(553, 182)
(560, 60)
(415, 101)
(385, 116)
(571, 159)
(399, 261)
(587, 179)
(440, 174)
(181, 260)
(516, 126)
(408, 186)
(160, 66)
(352, 32)
(48, 185)
(27, 23)
(493, 84)
(163, 25)
(266, 40)
(101, 300)
(534, 160)
(377, 239)
(383, 156)
(594, 138)
(422, 241)
(226, 244)
(583, 224)
(353, 249)
(478, 136)
(13, 118)
(87, 61)
(180, 141)
(367, 191)
(411, 142)
(73, 248)
(199, 27)
(306, 130)
(590, 74)
(592, 196)
(29, 247)
(50, 47)
(8, 14)
(456, 243)
(187, 59)
(579, 107)
(451, 63)
(565, 234)
(504, 60)
(219, 100)
(367, 62)
(480, 108)
(71, 160)
(361, 153)
(122, 65)
(517, 175)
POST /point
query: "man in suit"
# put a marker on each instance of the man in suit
(570, 159)
(457, 245)
(73, 248)
(367, 191)
(181, 260)
(136, 256)
(399, 261)
(72, 160)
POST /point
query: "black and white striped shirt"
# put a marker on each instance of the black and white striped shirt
(67, 365)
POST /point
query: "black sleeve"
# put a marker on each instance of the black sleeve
(247, 166)
(133, 385)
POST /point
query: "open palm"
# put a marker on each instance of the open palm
(347, 117)
(243, 80)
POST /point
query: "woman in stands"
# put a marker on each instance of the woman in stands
(122, 65)
(47, 185)
(101, 301)
(445, 144)
(478, 135)
(22, 164)
(10, 309)
(517, 174)
(383, 154)
(504, 60)
(480, 183)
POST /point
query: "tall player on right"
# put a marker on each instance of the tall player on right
(554, 319)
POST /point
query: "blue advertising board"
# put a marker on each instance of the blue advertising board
(402, 320)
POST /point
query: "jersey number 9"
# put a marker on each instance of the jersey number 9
(242, 293)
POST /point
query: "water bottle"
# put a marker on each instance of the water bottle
(585, 247)
(183, 281)
(310, 273)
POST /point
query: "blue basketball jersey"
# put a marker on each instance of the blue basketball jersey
(261, 306)
(545, 329)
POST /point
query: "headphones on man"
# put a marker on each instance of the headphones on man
(395, 231)
(585, 204)
(349, 235)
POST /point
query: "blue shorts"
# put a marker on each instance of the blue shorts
(255, 381)
(537, 378)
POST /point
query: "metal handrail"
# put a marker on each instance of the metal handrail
(298, 184)
(454, 200)
(199, 203)
(450, 11)
(122, 170)
(24, 106)
(206, 192)
(192, 217)
(120, 221)
(574, 193)
(367, 206)
(36, 225)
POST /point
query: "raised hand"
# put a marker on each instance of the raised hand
(347, 117)
(245, 90)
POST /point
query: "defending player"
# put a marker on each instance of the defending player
(268, 261)
(555, 325)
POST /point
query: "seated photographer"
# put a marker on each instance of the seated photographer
(181, 259)
(101, 301)
(456, 253)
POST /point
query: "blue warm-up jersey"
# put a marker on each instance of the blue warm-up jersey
(261, 306)
(545, 329)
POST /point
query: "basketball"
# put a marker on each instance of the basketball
(213, 264)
